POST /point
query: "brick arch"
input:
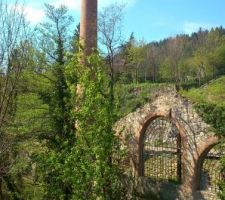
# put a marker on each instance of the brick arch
(196, 137)
(141, 133)
(204, 148)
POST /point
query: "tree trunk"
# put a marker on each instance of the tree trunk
(136, 75)
(112, 79)
(145, 76)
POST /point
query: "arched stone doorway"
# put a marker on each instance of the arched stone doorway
(195, 136)
(210, 170)
(161, 152)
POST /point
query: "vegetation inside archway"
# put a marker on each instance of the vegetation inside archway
(210, 104)
(161, 151)
(211, 173)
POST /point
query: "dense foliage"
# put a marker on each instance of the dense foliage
(94, 158)
(215, 115)
(209, 102)
(57, 113)
(184, 59)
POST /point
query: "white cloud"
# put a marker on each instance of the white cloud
(34, 14)
(71, 4)
(190, 27)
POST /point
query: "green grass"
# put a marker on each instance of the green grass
(129, 97)
(213, 92)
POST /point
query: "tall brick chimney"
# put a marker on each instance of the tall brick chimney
(88, 25)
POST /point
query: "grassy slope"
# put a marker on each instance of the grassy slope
(213, 92)
(132, 96)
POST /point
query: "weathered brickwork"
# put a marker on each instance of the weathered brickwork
(88, 26)
(196, 136)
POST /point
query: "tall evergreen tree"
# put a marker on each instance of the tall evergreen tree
(54, 43)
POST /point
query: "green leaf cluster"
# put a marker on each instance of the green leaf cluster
(92, 162)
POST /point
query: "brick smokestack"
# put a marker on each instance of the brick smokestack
(88, 25)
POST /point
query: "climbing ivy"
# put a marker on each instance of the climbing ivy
(93, 160)
(214, 114)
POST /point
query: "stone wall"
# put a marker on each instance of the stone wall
(196, 136)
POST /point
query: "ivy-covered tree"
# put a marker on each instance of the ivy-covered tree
(94, 158)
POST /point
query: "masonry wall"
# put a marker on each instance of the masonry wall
(196, 137)
(88, 25)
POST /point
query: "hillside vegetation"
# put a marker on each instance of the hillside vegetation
(129, 97)
(212, 92)
(132, 96)
(57, 113)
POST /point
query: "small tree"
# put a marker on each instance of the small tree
(152, 62)
(109, 26)
(136, 57)
(54, 42)
(13, 46)
(12, 49)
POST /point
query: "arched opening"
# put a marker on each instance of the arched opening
(210, 173)
(162, 151)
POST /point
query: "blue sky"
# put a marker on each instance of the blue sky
(150, 20)
(157, 19)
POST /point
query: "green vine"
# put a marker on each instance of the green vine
(213, 114)
(92, 164)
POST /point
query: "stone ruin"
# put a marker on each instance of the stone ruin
(185, 138)
(168, 127)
